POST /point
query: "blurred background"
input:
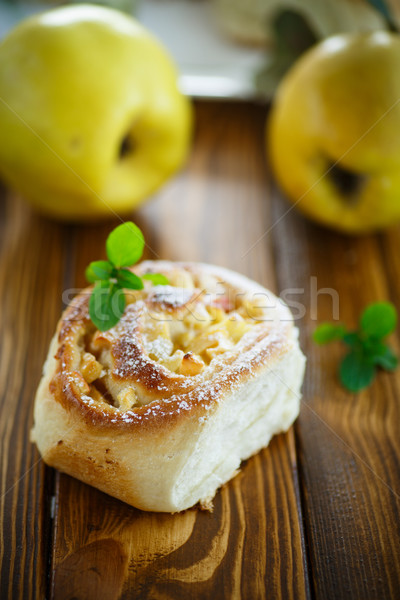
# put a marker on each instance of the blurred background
(316, 515)
(235, 49)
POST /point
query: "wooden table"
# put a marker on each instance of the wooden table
(316, 515)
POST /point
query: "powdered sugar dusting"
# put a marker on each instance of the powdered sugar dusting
(130, 353)
(168, 297)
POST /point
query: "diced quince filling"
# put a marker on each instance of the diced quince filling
(254, 307)
(187, 346)
(90, 368)
(191, 365)
(180, 278)
(126, 399)
(184, 344)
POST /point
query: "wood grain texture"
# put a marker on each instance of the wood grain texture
(251, 545)
(316, 515)
(247, 548)
(348, 444)
(30, 249)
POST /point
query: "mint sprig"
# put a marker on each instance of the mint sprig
(124, 248)
(367, 350)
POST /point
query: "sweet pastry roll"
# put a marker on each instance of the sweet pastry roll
(160, 410)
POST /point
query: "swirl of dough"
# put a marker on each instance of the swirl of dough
(187, 365)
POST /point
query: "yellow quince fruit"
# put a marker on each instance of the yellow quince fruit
(333, 132)
(91, 118)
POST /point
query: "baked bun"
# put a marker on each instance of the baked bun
(160, 410)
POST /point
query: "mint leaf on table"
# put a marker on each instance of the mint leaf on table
(352, 339)
(378, 320)
(386, 360)
(328, 332)
(367, 348)
(124, 247)
(355, 372)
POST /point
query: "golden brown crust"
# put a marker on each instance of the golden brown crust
(125, 410)
(131, 365)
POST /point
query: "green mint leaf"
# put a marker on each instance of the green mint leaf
(99, 269)
(355, 372)
(367, 350)
(156, 278)
(328, 332)
(372, 347)
(106, 305)
(386, 359)
(378, 320)
(353, 340)
(127, 279)
(125, 245)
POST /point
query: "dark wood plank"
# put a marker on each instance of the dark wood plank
(247, 547)
(251, 545)
(31, 258)
(348, 444)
